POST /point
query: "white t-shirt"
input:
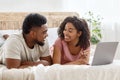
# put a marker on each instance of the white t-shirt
(2, 40)
(16, 48)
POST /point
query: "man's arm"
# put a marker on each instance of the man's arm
(12, 63)
(47, 58)
(43, 60)
(16, 63)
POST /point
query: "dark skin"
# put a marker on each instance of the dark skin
(5, 36)
(71, 37)
(39, 33)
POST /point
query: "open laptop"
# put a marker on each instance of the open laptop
(104, 53)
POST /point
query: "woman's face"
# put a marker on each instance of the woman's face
(71, 33)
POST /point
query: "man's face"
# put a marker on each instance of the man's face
(40, 35)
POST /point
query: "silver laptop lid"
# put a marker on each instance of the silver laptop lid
(104, 53)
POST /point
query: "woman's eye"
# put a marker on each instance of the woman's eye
(64, 29)
(70, 30)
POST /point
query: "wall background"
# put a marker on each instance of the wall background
(108, 9)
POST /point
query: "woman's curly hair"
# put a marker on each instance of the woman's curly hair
(80, 25)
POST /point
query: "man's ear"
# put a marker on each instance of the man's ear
(32, 33)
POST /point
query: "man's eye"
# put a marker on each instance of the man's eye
(44, 32)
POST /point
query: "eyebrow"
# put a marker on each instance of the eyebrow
(45, 31)
(71, 29)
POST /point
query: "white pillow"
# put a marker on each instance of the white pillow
(9, 32)
(52, 35)
(1, 40)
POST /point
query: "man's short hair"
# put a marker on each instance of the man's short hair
(33, 20)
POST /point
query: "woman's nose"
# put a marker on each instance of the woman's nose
(65, 32)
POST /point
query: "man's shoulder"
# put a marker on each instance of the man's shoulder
(14, 38)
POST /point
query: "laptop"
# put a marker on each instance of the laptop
(104, 53)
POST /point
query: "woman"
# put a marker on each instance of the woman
(73, 44)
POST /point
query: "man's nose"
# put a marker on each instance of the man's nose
(46, 35)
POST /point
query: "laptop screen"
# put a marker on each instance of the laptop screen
(104, 53)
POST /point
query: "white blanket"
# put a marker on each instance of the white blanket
(63, 72)
(16, 74)
(78, 72)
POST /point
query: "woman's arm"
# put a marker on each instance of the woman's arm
(56, 55)
(84, 59)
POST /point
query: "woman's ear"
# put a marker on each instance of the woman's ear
(79, 33)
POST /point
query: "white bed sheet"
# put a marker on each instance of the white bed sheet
(63, 72)
(16, 74)
(78, 72)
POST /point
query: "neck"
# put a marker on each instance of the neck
(28, 41)
(73, 42)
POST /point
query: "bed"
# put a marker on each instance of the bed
(11, 23)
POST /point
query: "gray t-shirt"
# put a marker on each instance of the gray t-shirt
(16, 48)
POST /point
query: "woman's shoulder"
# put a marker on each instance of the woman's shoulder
(58, 40)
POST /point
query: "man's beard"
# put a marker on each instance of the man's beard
(40, 43)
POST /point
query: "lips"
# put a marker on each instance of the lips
(43, 40)
(66, 37)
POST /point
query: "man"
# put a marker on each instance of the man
(29, 48)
